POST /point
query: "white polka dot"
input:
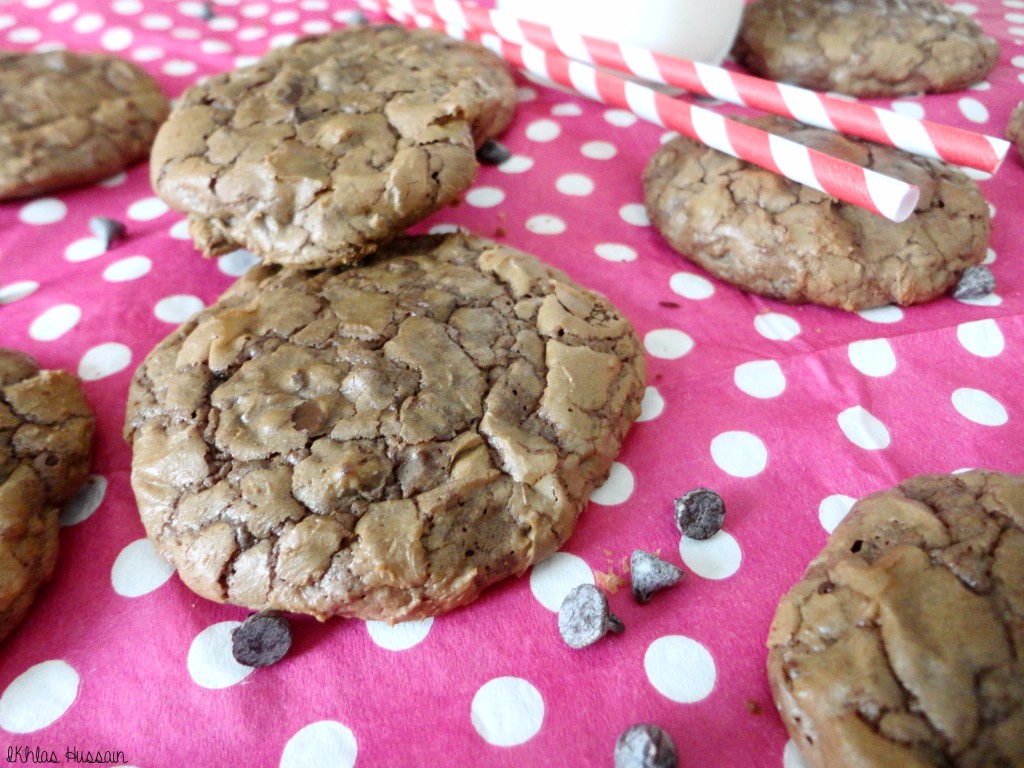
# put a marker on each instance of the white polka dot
(990, 256)
(210, 662)
(179, 68)
(127, 7)
(667, 343)
(884, 315)
(507, 711)
(543, 130)
(55, 322)
(6, 21)
(25, 35)
(616, 252)
(872, 357)
(88, 499)
(545, 224)
(117, 39)
(740, 454)
(908, 108)
(833, 509)
(324, 744)
(399, 637)
(177, 309)
(148, 53)
(516, 164)
(237, 263)
(620, 118)
(599, 150)
(213, 47)
(84, 249)
(222, 23)
(979, 407)
(652, 406)
(760, 378)
(44, 210)
(254, 10)
(617, 488)
(635, 214)
(284, 17)
(316, 27)
(485, 197)
(283, 40)
(63, 13)
(990, 300)
(717, 557)
(552, 579)
(147, 209)
(574, 184)
(104, 360)
(131, 268)
(981, 337)
(567, 110)
(156, 21)
(38, 696)
(114, 181)
(973, 109)
(88, 23)
(680, 669)
(139, 570)
(691, 286)
(251, 33)
(775, 326)
(179, 231)
(13, 292)
(791, 757)
(863, 429)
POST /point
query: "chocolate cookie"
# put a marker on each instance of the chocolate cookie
(323, 150)
(68, 119)
(1015, 127)
(46, 431)
(381, 441)
(865, 48)
(903, 643)
(778, 238)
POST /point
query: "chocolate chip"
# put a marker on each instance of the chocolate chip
(699, 513)
(975, 282)
(492, 152)
(584, 618)
(206, 11)
(645, 746)
(649, 573)
(261, 640)
(107, 231)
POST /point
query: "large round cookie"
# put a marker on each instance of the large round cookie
(322, 150)
(382, 441)
(778, 238)
(903, 643)
(68, 119)
(865, 48)
(46, 431)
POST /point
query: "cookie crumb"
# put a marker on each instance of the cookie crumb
(261, 640)
(753, 707)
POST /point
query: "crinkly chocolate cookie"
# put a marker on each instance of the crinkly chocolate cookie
(46, 431)
(68, 119)
(382, 441)
(865, 47)
(903, 643)
(778, 238)
(323, 150)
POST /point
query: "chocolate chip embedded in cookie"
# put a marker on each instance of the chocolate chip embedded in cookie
(68, 119)
(381, 441)
(903, 643)
(865, 48)
(778, 238)
(46, 431)
(321, 151)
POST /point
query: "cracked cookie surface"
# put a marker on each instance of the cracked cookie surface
(382, 441)
(46, 430)
(868, 48)
(903, 643)
(68, 119)
(321, 151)
(781, 239)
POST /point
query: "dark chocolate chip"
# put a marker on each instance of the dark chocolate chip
(699, 513)
(584, 618)
(206, 11)
(645, 746)
(261, 640)
(492, 152)
(975, 282)
(649, 573)
(107, 231)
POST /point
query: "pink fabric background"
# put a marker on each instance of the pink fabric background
(117, 655)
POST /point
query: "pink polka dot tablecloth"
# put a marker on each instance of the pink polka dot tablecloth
(790, 413)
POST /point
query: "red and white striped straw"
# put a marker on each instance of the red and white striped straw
(851, 183)
(920, 137)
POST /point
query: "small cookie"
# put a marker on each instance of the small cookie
(778, 238)
(46, 431)
(1015, 127)
(68, 119)
(865, 48)
(903, 643)
(382, 441)
(322, 150)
